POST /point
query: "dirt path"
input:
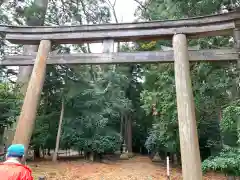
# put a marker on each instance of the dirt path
(138, 168)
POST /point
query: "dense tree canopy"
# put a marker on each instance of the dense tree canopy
(107, 105)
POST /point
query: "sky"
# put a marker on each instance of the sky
(125, 10)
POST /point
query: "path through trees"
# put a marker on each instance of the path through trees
(137, 168)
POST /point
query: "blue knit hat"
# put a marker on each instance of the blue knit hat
(15, 150)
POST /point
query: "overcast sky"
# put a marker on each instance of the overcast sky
(125, 10)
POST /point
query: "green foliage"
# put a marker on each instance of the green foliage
(77, 13)
(214, 85)
(230, 119)
(97, 96)
(9, 105)
(227, 162)
(162, 139)
(160, 90)
(230, 125)
(175, 9)
(49, 111)
(93, 112)
(45, 130)
(90, 134)
(94, 95)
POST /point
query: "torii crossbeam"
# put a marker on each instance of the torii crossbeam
(177, 30)
(123, 58)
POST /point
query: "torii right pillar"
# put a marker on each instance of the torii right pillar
(190, 154)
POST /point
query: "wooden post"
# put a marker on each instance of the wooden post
(25, 71)
(168, 168)
(27, 117)
(236, 36)
(190, 154)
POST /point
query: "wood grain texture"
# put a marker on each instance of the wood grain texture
(195, 21)
(236, 36)
(220, 24)
(190, 154)
(225, 28)
(123, 58)
(27, 116)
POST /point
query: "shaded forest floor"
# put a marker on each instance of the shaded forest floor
(138, 168)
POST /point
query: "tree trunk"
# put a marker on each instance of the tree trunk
(129, 134)
(125, 130)
(175, 159)
(49, 152)
(122, 125)
(37, 152)
(216, 150)
(1, 2)
(25, 71)
(121, 131)
(92, 156)
(58, 133)
(1, 134)
(43, 152)
(231, 178)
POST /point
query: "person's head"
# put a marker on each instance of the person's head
(16, 151)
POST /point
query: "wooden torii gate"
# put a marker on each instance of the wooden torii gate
(177, 30)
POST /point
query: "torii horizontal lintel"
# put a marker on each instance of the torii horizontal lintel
(212, 25)
(123, 57)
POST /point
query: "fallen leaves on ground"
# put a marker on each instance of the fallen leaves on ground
(137, 168)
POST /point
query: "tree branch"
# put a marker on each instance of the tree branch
(140, 4)
(113, 9)
(144, 7)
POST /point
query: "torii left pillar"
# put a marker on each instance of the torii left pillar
(27, 116)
